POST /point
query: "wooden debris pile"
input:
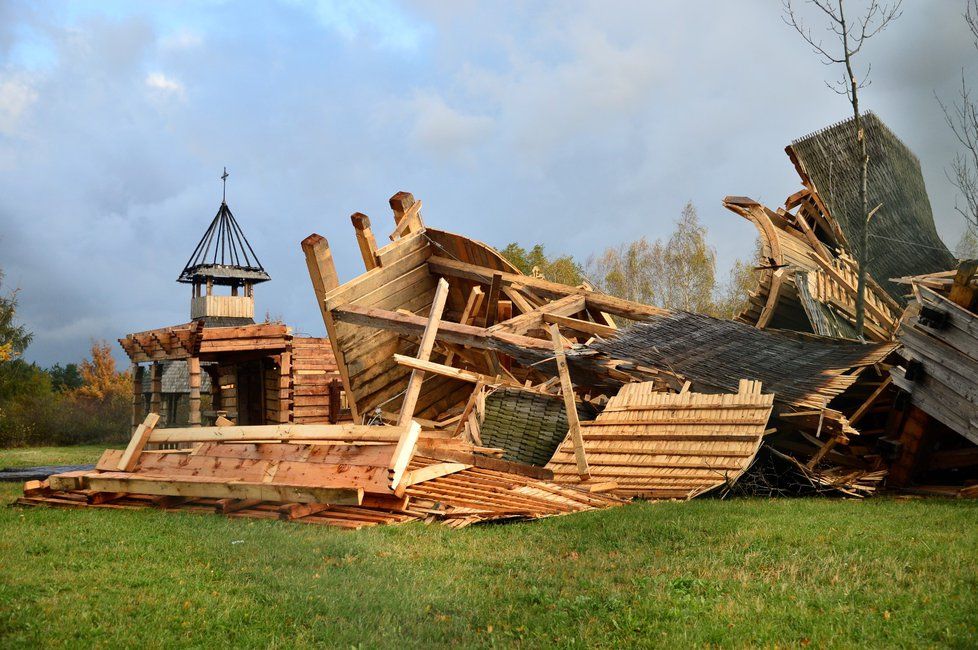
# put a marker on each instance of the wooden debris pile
(341, 475)
(936, 426)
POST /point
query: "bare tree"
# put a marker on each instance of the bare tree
(962, 117)
(848, 38)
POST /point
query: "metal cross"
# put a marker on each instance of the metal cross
(224, 191)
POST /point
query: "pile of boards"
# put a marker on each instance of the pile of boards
(340, 475)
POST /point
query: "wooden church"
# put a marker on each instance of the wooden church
(257, 373)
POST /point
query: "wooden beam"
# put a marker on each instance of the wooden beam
(193, 369)
(864, 409)
(632, 310)
(469, 405)
(468, 313)
(413, 389)
(432, 472)
(476, 337)
(493, 300)
(349, 433)
(138, 404)
(534, 318)
(578, 325)
(570, 404)
(139, 439)
(773, 294)
(200, 487)
(401, 203)
(447, 371)
(365, 240)
(403, 454)
(156, 386)
(322, 273)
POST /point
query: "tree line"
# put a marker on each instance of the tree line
(677, 273)
(87, 402)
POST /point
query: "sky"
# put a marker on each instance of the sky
(576, 124)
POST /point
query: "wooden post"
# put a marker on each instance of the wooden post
(493, 300)
(471, 309)
(407, 217)
(286, 387)
(193, 370)
(570, 404)
(322, 273)
(365, 239)
(334, 401)
(137, 395)
(424, 353)
(130, 457)
(156, 386)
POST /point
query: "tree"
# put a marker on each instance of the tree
(850, 36)
(563, 269)
(962, 118)
(677, 274)
(14, 339)
(732, 299)
(65, 378)
(627, 271)
(100, 380)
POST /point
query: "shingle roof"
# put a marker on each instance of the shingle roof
(175, 378)
(799, 369)
(529, 426)
(830, 161)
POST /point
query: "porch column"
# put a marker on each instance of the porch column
(193, 367)
(156, 382)
(137, 395)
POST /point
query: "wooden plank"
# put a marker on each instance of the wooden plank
(432, 472)
(578, 325)
(476, 337)
(139, 439)
(219, 488)
(403, 453)
(472, 306)
(570, 404)
(424, 353)
(278, 432)
(493, 299)
(322, 273)
(602, 302)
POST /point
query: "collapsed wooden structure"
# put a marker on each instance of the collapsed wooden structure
(478, 393)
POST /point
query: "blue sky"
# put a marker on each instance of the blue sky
(577, 124)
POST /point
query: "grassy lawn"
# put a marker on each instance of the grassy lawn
(34, 456)
(877, 573)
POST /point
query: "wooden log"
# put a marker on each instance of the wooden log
(570, 404)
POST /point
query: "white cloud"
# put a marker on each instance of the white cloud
(441, 129)
(164, 85)
(16, 96)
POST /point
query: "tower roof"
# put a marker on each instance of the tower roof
(224, 255)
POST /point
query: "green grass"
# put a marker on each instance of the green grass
(876, 573)
(34, 456)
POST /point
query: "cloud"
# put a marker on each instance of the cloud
(16, 96)
(444, 131)
(181, 39)
(164, 85)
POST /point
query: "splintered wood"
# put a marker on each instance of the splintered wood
(668, 445)
(341, 475)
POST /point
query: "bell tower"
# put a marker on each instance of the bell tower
(223, 258)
